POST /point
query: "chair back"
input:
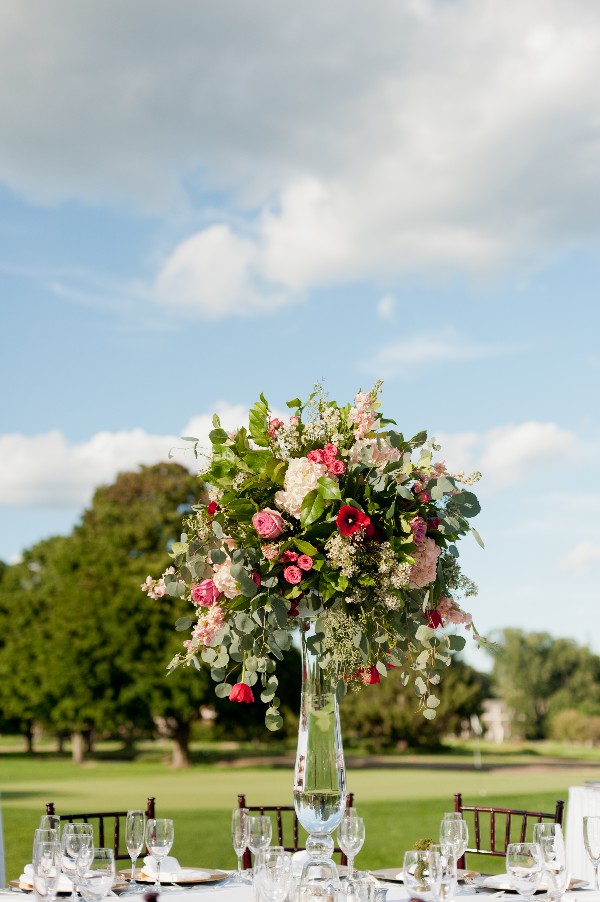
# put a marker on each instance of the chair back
(286, 821)
(107, 825)
(491, 829)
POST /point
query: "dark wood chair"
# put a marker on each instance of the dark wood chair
(285, 816)
(111, 833)
(494, 828)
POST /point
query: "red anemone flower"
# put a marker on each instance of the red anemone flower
(350, 520)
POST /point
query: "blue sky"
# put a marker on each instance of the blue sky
(208, 201)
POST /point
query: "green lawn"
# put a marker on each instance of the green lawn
(400, 802)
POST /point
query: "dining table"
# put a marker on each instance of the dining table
(583, 800)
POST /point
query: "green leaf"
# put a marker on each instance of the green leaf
(223, 690)
(305, 547)
(420, 686)
(243, 623)
(312, 508)
(218, 436)
(429, 713)
(273, 722)
(468, 504)
(477, 537)
(295, 403)
(217, 556)
(432, 701)
(183, 623)
(248, 587)
(457, 643)
(217, 529)
(328, 488)
(178, 548)
(216, 421)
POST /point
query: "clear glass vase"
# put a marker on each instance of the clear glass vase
(320, 773)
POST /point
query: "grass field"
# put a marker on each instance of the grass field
(401, 799)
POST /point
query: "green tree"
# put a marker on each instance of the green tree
(538, 676)
(383, 716)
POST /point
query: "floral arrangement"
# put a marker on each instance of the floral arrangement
(330, 514)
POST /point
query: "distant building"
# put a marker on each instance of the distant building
(496, 720)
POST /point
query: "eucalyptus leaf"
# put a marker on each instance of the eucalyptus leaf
(183, 623)
(223, 690)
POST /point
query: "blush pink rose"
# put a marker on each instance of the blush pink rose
(337, 467)
(205, 593)
(305, 562)
(316, 456)
(292, 575)
(268, 523)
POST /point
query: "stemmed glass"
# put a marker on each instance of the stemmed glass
(444, 873)
(273, 874)
(240, 834)
(135, 825)
(77, 839)
(260, 831)
(160, 834)
(96, 874)
(555, 865)
(50, 822)
(454, 832)
(41, 835)
(351, 837)
(524, 867)
(47, 855)
(591, 838)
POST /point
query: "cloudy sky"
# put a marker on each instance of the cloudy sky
(200, 201)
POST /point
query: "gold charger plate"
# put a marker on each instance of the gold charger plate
(209, 876)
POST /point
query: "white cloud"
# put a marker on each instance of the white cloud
(386, 306)
(508, 455)
(49, 471)
(402, 358)
(585, 556)
(427, 135)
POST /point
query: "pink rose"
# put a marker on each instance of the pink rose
(337, 467)
(433, 523)
(274, 425)
(268, 523)
(292, 575)
(424, 496)
(316, 456)
(305, 562)
(205, 593)
(418, 527)
(330, 452)
(289, 557)
(294, 421)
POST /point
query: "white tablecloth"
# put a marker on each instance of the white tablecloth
(583, 800)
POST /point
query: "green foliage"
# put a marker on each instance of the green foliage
(539, 676)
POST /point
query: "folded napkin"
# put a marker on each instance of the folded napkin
(298, 861)
(170, 869)
(26, 880)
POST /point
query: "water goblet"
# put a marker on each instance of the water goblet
(591, 838)
(445, 882)
(273, 874)
(554, 863)
(542, 829)
(76, 839)
(95, 874)
(47, 856)
(50, 822)
(454, 832)
(43, 835)
(160, 835)
(240, 833)
(135, 828)
(351, 837)
(260, 831)
(524, 867)
(422, 873)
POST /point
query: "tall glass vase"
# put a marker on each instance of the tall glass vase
(320, 773)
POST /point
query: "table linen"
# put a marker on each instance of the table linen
(583, 800)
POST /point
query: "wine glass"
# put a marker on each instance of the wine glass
(554, 863)
(422, 873)
(160, 834)
(351, 837)
(96, 874)
(47, 856)
(524, 867)
(76, 839)
(444, 882)
(135, 826)
(454, 832)
(260, 831)
(273, 874)
(542, 829)
(50, 822)
(240, 833)
(591, 838)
